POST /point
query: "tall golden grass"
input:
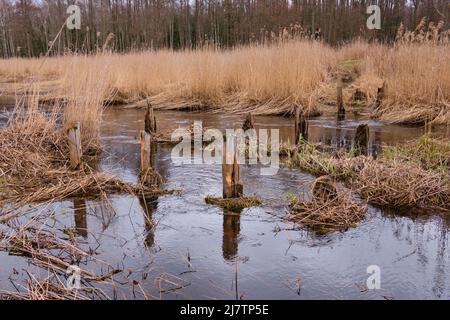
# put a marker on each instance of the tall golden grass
(85, 87)
(265, 79)
(418, 82)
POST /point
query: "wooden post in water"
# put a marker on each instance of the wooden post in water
(232, 187)
(75, 153)
(300, 126)
(340, 99)
(249, 123)
(238, 188)
(146, 139)
(361, 140)
(150, 120)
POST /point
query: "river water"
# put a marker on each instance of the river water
(176, 246)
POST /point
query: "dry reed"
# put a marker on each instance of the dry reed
(54, 251)
(267, 79)
(385, 182)
(49, 288)
(264, 79)
(397, 185)
(34, 156)
(34, 166)
(327, 214)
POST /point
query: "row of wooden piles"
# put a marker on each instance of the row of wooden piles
(232, 185)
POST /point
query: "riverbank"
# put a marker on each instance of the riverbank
(267, 80)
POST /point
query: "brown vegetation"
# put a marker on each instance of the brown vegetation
(261, 79)
(397, 185)
(53, 251)
(385, 182)
(325, 214)
(34, 157)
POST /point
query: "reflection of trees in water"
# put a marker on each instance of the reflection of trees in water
(337, 135)
(149, 205)
(419, 230)
(441, 261)
(231, 230)
(104, 212)
(403, 223)
(339, 141)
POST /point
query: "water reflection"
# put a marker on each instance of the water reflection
(231, 230)
(149, 206)
(411, 250)
(440, 275)
(79, 208)
(340, 117)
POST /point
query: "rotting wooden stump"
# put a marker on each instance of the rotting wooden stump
(150, 120)
(232, 186)
(249, 123)
(300, 126)
(147, 175)
(361, 140)
(146, 140)
(340, 100)
(75, 152)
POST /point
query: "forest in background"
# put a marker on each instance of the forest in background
(27, 27)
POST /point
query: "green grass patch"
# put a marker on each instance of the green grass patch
(429, 153)
(308, 158)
